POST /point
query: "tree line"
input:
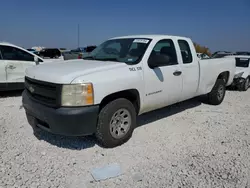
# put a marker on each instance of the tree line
(202, 49)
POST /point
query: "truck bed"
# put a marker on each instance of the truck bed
(214, 66)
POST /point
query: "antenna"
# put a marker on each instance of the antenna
(78, 35)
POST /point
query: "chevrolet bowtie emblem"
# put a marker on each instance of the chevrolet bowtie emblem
(31, 89)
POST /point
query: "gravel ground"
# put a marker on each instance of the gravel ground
(186, 145)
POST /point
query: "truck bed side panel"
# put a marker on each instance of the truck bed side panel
(210, 69)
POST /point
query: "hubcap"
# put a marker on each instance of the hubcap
(220, 93)
(120, 123)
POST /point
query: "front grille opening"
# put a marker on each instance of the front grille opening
(43, 92)
(42, 123)
(43, 98)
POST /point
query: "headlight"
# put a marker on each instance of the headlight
(238, 75)
(77, 95)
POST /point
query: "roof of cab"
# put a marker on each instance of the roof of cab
(155, 36)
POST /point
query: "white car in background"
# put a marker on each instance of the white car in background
(202, 56)
(242, 72)
(13, 62)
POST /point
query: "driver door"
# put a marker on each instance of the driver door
(163, 84)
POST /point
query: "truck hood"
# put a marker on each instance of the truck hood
(64, 72)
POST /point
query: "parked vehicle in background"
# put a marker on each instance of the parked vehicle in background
(53, 53)
(242, 73)
(202, 56)
(243, 53)
(36, 52)
(13, 62)
(221, 54)
(78, 53)
(103, 93)
(63, 50)
(31, 50)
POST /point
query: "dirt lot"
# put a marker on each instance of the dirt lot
(187, 145)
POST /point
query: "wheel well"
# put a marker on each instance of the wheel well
(132, 95)
(224, 76)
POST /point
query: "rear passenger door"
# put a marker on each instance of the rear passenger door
(190, 71)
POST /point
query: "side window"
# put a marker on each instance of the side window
(57, 52)
(12, 53)
(165, 47)
(1, 57)
(185, 52)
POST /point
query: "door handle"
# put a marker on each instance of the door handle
(177, 73)
(11, 67)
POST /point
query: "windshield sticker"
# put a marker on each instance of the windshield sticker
(145, 41)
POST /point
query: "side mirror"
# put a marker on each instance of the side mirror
(36, 59)
(158, 60)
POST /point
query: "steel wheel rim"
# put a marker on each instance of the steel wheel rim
(220, 93)
(120, 123)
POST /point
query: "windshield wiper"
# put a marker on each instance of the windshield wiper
(107, 59)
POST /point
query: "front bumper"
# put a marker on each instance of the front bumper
(75, 121)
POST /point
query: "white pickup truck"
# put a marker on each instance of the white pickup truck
(123, 77)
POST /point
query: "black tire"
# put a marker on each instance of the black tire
(103, 133)
(244, 85)
(216, 96)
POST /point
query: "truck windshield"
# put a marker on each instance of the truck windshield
(127, 50)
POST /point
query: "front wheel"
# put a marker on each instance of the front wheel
(116, 123)
(216, 96)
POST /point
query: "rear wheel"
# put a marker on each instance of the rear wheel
(216, 96)
(116, 123)
(245, 85)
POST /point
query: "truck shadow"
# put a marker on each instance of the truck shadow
(6, 94)
(168, 111)
(73, 143)
(80, 143)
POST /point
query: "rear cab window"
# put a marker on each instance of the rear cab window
(50, 52)
(185, 52)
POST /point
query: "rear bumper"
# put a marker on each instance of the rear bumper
(238, 81)
(77, 121)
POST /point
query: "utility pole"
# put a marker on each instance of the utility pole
(78, 35)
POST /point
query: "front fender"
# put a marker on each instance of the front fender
(112, 81)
